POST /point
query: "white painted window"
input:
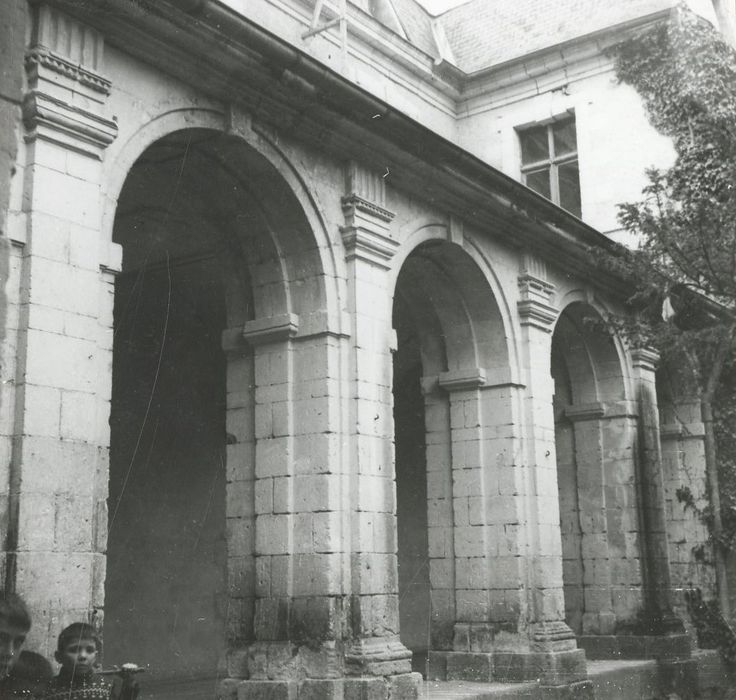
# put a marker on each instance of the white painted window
(549, 162)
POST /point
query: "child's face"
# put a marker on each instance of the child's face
(11, 641)
(78, 656)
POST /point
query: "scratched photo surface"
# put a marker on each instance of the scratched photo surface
(367, 349)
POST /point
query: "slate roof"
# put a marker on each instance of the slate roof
(484, 33)
(417, 23)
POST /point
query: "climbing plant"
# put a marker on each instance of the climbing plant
(684, 269)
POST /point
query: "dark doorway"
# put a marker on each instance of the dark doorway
(411, 492)
(166, 568)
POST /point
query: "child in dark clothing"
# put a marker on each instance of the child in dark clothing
(28, 676)
(14, 625)
(77, 651)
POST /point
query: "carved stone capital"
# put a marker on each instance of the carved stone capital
(535, 305)
(366, 233)
(645, 359)
(65, 103)
(55, 121)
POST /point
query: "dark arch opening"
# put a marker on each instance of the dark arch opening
(411, 488)
(446, 318)
(212, 237)
(587, 377)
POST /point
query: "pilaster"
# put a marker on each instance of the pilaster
(65, 102)
(548, 633)
(658, 617)
(375, 649)
(59, 467)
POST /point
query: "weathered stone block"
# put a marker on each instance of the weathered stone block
(312, 619)
(272, 457)
(437, 666)
(273, 534)
(228, 689)
(319, 574)
(472, 605)
(43, 410)
(365, 689)
(321, 690)
(272, 618)
(267, 690)
(405, 686)
(470, 667)
(237, 663)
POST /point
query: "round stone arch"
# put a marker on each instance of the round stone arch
(255, 235)
(595, 439)
(430, 230)
(128, 148)
(451, 386)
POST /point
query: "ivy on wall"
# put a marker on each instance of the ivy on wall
(686, 224)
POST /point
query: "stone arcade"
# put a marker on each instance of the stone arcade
(294, 387)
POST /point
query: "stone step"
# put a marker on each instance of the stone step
(611, 680)
(190, 689)
(465, 690)
(614, 679)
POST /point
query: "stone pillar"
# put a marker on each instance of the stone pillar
(482, 560)
(507, 548)
(550, 638)
(683, 458)
(605, 434)
(440, 536)
(590, 483)
(285, 515)
(240, 498)
(375, 649)
(659, 629)
(59, 462)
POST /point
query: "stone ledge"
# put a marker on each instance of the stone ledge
(671, 647)
(549, 668)
(404, 686)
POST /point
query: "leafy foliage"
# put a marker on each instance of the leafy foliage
(686, 228)
(686, 75)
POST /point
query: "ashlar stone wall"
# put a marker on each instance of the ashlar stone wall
(318, 253)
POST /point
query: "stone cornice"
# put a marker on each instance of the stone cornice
(40, 56)
(343, 120)
(353, 202)
(56, 121)
(368, 246)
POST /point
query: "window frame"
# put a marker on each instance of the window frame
(553, 162)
